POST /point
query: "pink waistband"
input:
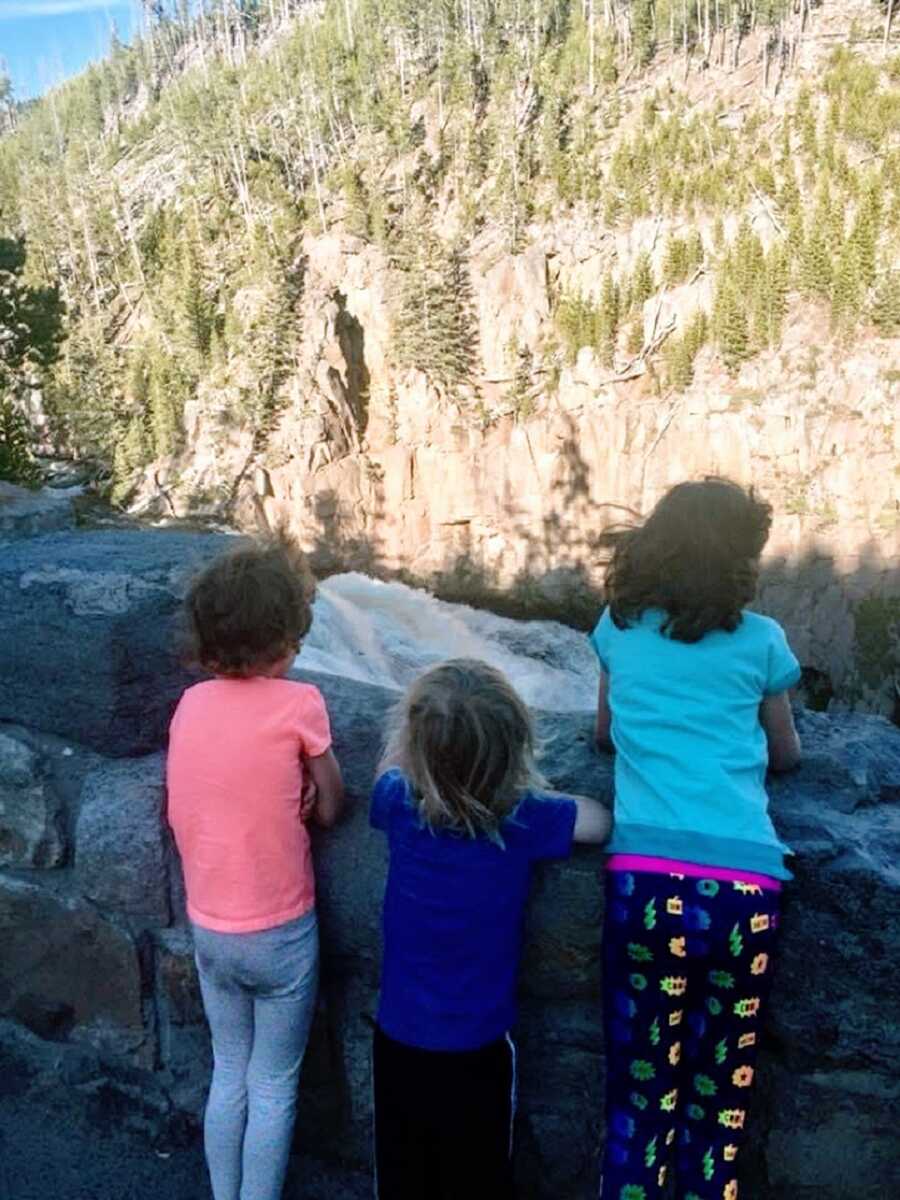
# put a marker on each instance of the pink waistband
(675, 866)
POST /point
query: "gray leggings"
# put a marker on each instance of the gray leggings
(259, 991)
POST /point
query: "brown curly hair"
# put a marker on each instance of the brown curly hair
(696, 557)
(249, 608)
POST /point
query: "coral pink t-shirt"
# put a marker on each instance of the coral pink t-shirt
(234, 775)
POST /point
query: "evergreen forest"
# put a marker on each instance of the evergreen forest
(140, 197)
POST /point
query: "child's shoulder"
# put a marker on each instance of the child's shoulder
(756, 626)
(537, 811)
(390, 793)
(295, 689)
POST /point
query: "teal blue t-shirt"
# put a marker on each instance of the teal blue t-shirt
(691, 754)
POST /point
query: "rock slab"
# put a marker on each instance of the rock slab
(23, 512)
(120, 845)
(30, 830)
(64, 971)
(90, 632)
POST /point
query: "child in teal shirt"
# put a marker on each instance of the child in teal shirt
(694, 700)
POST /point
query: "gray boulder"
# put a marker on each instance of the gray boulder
(23, 512)
(89, 633)
(31, 833)
(64, 971)
(121, 859)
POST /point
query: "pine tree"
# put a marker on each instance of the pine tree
(676, 261)
(866, 229)
(578, 323)
(643, 284)
(610, 314)
(885, 307)
(789, 194)
(523, 391)
(17, 464)
(196, 305)
(356, 215)
(747, 260)
(732, 331)
(642, 21)
(164, 408)
(847, 288)
(30, 339)
(695, 252)
(778, 286)
(680, 364)
(435, 326)
(816, 270)
(462, 325)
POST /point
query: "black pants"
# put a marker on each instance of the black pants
(443, 1121)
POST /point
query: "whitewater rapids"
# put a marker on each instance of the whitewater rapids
(386, 633)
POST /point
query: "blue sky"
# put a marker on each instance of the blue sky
(44, 41)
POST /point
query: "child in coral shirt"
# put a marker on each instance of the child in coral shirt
(249, 760)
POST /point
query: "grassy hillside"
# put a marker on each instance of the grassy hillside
(157, 187)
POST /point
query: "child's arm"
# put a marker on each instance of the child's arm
(778, 721)
(326, 775)
(604, 717)
(593, 821)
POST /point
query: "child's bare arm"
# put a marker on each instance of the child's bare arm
(778, 721)
(593, 822)
(326, 775)
(604, 717)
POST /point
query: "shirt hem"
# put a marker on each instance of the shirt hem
(658, 865)
(250, 924)
(763, 858)
(398, 1034)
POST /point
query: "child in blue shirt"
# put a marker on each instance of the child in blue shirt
(694, 699)
(465, 825)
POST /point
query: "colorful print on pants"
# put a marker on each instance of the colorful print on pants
(687, 964)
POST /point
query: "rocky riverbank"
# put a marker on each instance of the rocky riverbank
(97, 986)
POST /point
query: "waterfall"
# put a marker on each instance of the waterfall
(386, 633)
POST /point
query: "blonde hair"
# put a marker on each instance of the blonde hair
(465, 741)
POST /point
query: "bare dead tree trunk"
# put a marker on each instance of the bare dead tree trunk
(348, 17)
(766, 64)
(699, 20)
(590, 20)
(888, 22)
(313, 157)
(684, 35)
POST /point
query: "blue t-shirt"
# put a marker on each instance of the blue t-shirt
(453, 915)
(691, 754)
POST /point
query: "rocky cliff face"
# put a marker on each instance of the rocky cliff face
(499, 498)
(113, 1008)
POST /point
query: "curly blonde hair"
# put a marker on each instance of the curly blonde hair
(465, 741)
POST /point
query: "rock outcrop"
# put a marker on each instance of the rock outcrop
(24, 512)
(97, 958)
(480, 497)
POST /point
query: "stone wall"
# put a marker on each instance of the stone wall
(97, 986)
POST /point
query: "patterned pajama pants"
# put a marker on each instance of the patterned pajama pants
(687, 964)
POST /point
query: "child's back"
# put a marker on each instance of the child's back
(453, 913)
(244, 749)
(235, 775)
(691, 752)
(693, 697)
(464, 830)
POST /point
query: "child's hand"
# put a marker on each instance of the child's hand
(308, 797)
